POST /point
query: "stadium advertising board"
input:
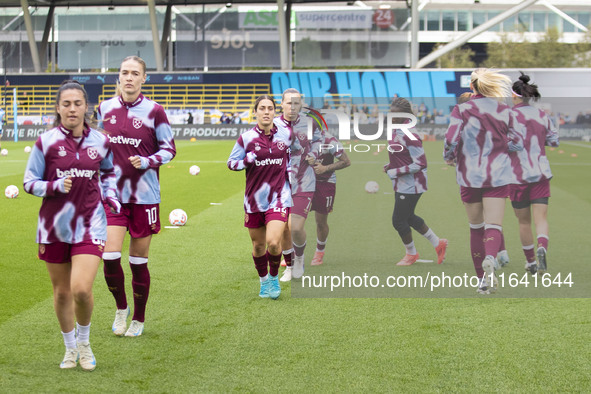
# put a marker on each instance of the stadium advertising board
(230, 132)
(566, 95)
(335, 19)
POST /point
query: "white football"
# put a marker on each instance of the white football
(372, 187)
(177, 217)
(11, 191)
(27, 149)
(194, 170)
(3, 152)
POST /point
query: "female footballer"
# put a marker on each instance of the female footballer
(71, 168)
(142, 141)
(477, 142)
(408, 171)
(263, 152)
(530, 197)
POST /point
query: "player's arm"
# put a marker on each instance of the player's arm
(419, 160)
(239, 159)
(99, 118)
(315, 146)
(109, 183)
(552, 138)
(515, 134)
(453, 136)
(34, 183)
(341, 162)
(166, 147)
(281, 125)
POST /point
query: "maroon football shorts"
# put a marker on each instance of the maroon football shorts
(301, 204)
(323, 199)
(140, 219)
(530, 191)
(61, 252)
(260, 219)
(474, 194)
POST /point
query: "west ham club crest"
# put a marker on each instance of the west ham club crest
(92, 153)
(137, 123)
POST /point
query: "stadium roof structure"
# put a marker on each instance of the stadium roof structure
(151, 4)
(160, 39)
(131, 3)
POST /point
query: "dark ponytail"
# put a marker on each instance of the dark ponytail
(525, 90)
(400, 104)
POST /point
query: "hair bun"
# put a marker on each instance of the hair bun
(524, 78)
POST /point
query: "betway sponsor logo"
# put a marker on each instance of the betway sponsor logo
(269, 162)
(75, 173)
(125, 141)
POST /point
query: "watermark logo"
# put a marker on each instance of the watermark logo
(393, 121)
(317, 116)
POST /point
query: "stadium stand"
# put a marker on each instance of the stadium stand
(225, 98)
(38, 100)
(33, 100)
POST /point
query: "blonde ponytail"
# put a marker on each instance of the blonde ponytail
(490, 83)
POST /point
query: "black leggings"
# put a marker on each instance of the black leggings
(403, 217)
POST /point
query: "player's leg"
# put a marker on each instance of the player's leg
(288, 253)
(298, 235)
(322, 231)
(322, 205)
(144, 221)
(138, 262)
(115, 277)
(63, 304)
(540, 214)
(299, 212)
(258, 236)
(440, 244)
(400, 221)
(287, 243)
(416, 222)
(539, 196)
(274, 233)
(475, 214)
(63, 299)
(503, 255)
(523, 214)
(84, 269)
(493, 210)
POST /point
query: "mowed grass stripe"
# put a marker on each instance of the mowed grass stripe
(207, 330)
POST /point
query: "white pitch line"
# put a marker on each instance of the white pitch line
(569, 164)
(575, 144)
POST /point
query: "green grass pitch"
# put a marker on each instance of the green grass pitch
(208, 331)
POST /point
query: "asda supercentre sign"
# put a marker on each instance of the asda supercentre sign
(361, 19)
